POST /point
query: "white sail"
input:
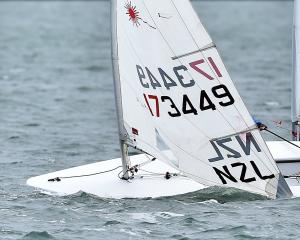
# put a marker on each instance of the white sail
(179, 103)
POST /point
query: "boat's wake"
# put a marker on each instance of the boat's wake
(219, 195)
(207, 195)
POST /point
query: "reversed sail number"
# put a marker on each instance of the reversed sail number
(208, 70)
(225, 172)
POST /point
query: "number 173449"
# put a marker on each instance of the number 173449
(222, 98)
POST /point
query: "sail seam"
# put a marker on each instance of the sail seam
(207, 47)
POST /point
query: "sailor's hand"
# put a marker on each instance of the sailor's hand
(261, 126)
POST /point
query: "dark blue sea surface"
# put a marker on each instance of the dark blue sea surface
(57, 111)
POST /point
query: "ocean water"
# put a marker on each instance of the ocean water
(57, 111)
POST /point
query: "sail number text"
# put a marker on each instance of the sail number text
(220, 92)
(183, 76)
(208, 100)
(246, 175)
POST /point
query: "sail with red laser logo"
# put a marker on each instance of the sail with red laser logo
(179, 103)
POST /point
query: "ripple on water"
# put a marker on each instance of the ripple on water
(179, 237)
(38, 236)
(245, 236)
(32, 125)
(168, 215)
(111, 222)
(215, 195)
(272, 103)
(146, 218)
(96, 68)
(189, 221)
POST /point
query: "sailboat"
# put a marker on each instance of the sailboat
(178, 106)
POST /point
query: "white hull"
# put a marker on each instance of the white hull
(287, 158)
(108, 185)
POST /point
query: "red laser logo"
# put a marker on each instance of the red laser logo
(132, 13)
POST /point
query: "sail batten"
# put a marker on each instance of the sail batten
(177, 96)
(209, 46)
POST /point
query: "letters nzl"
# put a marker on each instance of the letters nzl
(234, 153)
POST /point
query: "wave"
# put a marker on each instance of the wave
(38, 236)
(218, 195)
(210, 195)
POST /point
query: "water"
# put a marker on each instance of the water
(57, 111)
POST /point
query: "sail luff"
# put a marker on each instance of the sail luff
(117, 89)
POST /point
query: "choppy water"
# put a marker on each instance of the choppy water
(57, 111)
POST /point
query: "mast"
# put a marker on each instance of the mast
(296, 74)
(117, 87)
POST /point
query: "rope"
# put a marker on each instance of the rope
(282, 138)
(135, 168)
(264, 127)
(132, 170)
(58, 179)
(292, 176)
